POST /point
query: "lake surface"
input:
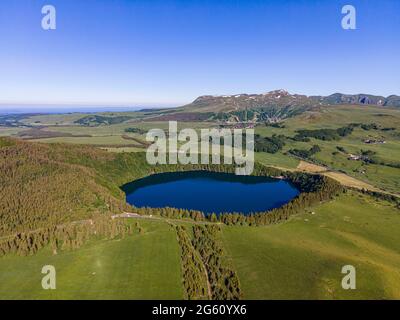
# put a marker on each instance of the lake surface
(209, 192)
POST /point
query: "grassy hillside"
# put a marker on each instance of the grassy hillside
(299, 259)
(302, 259)
(141, 266)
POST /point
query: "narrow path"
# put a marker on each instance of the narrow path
(208, 280)
(132, 215)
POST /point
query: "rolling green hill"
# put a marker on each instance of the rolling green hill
(142, 266)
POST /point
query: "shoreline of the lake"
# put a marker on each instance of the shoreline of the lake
(210, 192)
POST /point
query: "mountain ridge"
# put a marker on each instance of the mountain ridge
(283, 95)
(276, 105)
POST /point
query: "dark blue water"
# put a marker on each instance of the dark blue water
(209, 192)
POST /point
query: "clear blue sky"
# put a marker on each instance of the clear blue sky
(152, 52)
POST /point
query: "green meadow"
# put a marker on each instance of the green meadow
(303, 258)
(142, 266)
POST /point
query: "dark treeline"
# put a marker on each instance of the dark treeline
(374, 126)
(279, 125)
(206, 274)
(263, 144)
(67, 237)
(336, 134)
(193, 270)
(223, 280)
(172, 213)
(268, 144)
(305, 154)
(135, 130)
(324, 134)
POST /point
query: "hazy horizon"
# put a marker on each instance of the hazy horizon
(70, 108)
(9, 108)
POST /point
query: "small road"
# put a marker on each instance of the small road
(132, 215)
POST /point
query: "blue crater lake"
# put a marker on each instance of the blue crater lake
(209, 192)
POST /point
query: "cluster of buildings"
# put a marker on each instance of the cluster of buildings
(354, 157)
(374, 141)
(357, 157)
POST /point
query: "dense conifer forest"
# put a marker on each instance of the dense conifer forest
(67, 237)
(223, 280)
(193, 271)
(206, 273)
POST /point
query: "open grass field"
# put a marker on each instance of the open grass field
(278, 160)
(5, 131)
(145, 266)
(303, 258)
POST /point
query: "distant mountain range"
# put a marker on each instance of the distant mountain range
(361, 99)
(283, 98)
(272, 106)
